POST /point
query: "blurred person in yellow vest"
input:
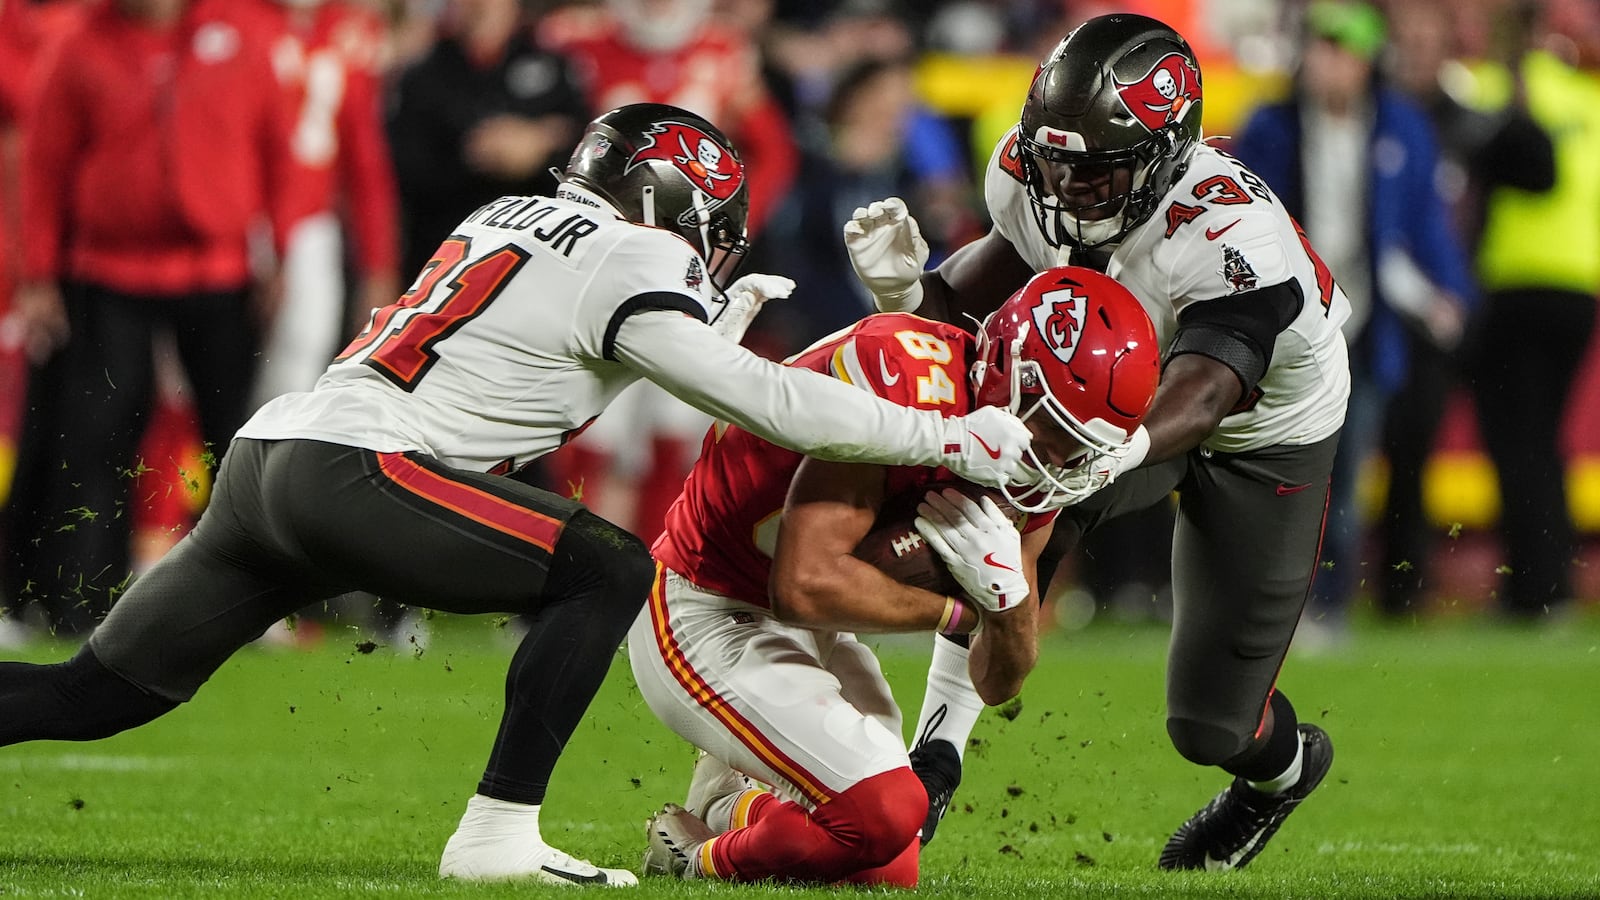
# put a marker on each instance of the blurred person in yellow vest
(1479, 151)
(1539, 265)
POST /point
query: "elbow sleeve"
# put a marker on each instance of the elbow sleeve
(1239, 330)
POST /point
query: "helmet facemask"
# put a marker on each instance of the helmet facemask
(724, 244)
(719, 239)
(1083, 470)
(1133, 175)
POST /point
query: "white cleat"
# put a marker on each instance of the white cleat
(515, 858)
(674, 838)
(712, 789)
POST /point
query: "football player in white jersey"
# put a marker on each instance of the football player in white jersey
(387, 476)
(1108, 168)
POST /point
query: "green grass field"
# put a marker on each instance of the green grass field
(1466, 767)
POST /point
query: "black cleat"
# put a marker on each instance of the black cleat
(939, 766)
(1234, 826)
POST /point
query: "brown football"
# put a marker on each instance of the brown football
(896, 547)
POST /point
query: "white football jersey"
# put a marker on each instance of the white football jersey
(1219, 231)
(503, 347)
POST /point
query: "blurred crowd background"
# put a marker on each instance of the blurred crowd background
(201, 201)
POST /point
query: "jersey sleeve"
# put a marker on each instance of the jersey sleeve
(1034, 521)
(1246, 256)
(793, 407)
(650, 269)
(905, 365)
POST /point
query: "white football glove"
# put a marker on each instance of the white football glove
(979, 544)
(986, 446)
(746, 296)
(1105, 468)
(887, 251)
(1133, 457)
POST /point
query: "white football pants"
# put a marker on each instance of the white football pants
(808, 712)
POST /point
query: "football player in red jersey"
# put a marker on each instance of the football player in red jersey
(1108, 167)
(748, 647)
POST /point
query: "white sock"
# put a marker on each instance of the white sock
(719, 815)
(951, 705)
(1288, 778)
(487, 817)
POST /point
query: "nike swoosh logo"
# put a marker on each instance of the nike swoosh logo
(1214, 233)
(994, 452)
(596, 878)
(1214, 865)
(1285, 490)
(990, 560)
(883, 370)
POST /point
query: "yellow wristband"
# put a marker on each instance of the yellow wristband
(956, 618)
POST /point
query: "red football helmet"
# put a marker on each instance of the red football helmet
(1077, 345)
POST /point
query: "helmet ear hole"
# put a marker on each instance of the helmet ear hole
(647, 205)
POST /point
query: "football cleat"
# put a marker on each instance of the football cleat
(507, 859)
(1234, 827)
(939, 766)
(714, 781)
(674, 838)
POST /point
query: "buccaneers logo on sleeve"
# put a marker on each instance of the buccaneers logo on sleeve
(1160, 96)
(1059, 317)
(707, 164)
(1236, 270)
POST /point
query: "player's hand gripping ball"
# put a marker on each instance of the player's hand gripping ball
(896, 547)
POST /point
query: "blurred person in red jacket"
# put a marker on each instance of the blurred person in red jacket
(327, 57)
(675, 52)
(157, 147)
(29, 34)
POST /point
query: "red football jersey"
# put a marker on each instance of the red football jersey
(716, 74)
(723, 529)
(328, 62)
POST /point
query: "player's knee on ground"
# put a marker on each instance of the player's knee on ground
(608, 568)
(877, 818)
(1205, 743)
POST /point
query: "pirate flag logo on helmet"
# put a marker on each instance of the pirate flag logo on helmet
(707, 164)
(1159, 97)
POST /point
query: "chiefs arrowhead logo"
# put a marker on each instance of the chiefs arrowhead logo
(1059, 317)
(1160, 96)
(707, 164)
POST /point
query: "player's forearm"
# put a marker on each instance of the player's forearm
(936, 297)
(850, 595)
(1195, 395)
(1004, 652)
(794, 408)
(974, 281)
